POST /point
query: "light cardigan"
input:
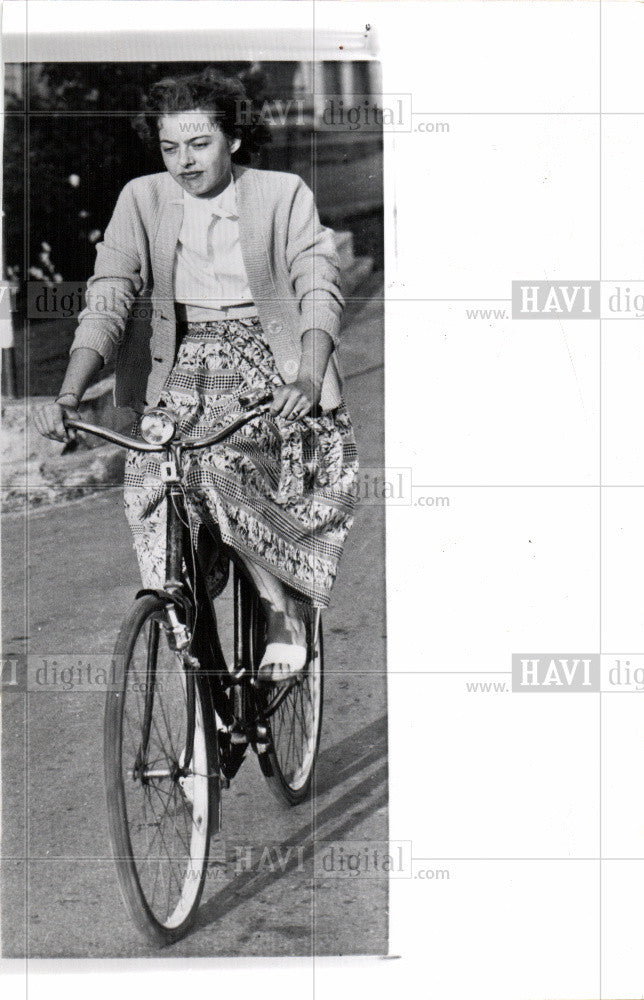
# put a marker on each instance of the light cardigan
(209, 267)
(290, 260)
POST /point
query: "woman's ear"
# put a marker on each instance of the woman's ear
(234, 145)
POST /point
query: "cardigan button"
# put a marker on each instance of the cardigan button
(274, 327)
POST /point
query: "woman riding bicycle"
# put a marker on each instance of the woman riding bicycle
(245, 296)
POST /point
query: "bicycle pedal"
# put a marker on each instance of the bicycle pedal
(262, 740)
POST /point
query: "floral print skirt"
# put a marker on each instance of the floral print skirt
(280, 493)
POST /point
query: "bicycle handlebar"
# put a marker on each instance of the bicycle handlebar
(191, 444)
(113, 436)
(261, 405)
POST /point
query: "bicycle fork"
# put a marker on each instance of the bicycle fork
(181, 636)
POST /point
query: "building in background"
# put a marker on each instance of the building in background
(348, 160)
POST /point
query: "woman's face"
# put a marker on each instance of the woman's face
(196, 152)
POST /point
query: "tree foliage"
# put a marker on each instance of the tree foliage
(69, 149)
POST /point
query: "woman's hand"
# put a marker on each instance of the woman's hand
(49, 419)
(84, 363)
(296, 400)
(302, 397)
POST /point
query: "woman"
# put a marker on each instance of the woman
(245, 296)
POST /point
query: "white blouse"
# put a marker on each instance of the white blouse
(209, 268)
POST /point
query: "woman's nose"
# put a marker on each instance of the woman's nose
(187, 157)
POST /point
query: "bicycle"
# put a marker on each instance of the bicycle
(181, 715)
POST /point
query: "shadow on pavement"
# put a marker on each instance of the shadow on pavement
(333, 822)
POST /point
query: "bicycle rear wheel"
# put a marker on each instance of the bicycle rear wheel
(158, 804)
(293, 719)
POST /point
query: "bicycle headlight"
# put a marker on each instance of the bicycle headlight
(157, 426)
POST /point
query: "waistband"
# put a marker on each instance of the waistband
(186, 313)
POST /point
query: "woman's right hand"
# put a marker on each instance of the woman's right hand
(49, 419)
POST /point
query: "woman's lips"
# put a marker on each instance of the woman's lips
(191, 175)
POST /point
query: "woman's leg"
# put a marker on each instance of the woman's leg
(284, 619)
(284, 615)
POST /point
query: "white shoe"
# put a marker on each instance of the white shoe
(290, 659)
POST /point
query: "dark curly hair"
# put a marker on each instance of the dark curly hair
(225, 98)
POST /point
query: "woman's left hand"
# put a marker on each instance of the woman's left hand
(295, 400)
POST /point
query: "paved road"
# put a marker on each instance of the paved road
(68, 597)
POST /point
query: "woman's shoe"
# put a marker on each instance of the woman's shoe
(281, 663)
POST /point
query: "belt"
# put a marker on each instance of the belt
(186, 313)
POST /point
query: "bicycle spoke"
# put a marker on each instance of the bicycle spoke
(173, 796)
(156, 824)
(171, 854)
(165, 720)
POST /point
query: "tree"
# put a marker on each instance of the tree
(69, 149)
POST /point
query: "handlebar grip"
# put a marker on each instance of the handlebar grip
(258, 398)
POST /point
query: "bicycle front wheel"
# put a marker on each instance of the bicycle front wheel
(158, 802)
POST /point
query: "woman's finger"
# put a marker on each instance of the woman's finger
(292, 405)
(61, 430)
(58, 427)
(39, 423)
(300, 410)
(279, 396)
(48, 421)
(284, 401)
(43, 419)
(69, 433)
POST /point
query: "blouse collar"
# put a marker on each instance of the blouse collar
(224, 204)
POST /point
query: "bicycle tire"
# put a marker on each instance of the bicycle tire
(136, 780)
(292, 785)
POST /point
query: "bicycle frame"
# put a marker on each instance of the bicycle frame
(191, 616)
(195, 637)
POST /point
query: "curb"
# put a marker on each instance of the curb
(37, 472)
